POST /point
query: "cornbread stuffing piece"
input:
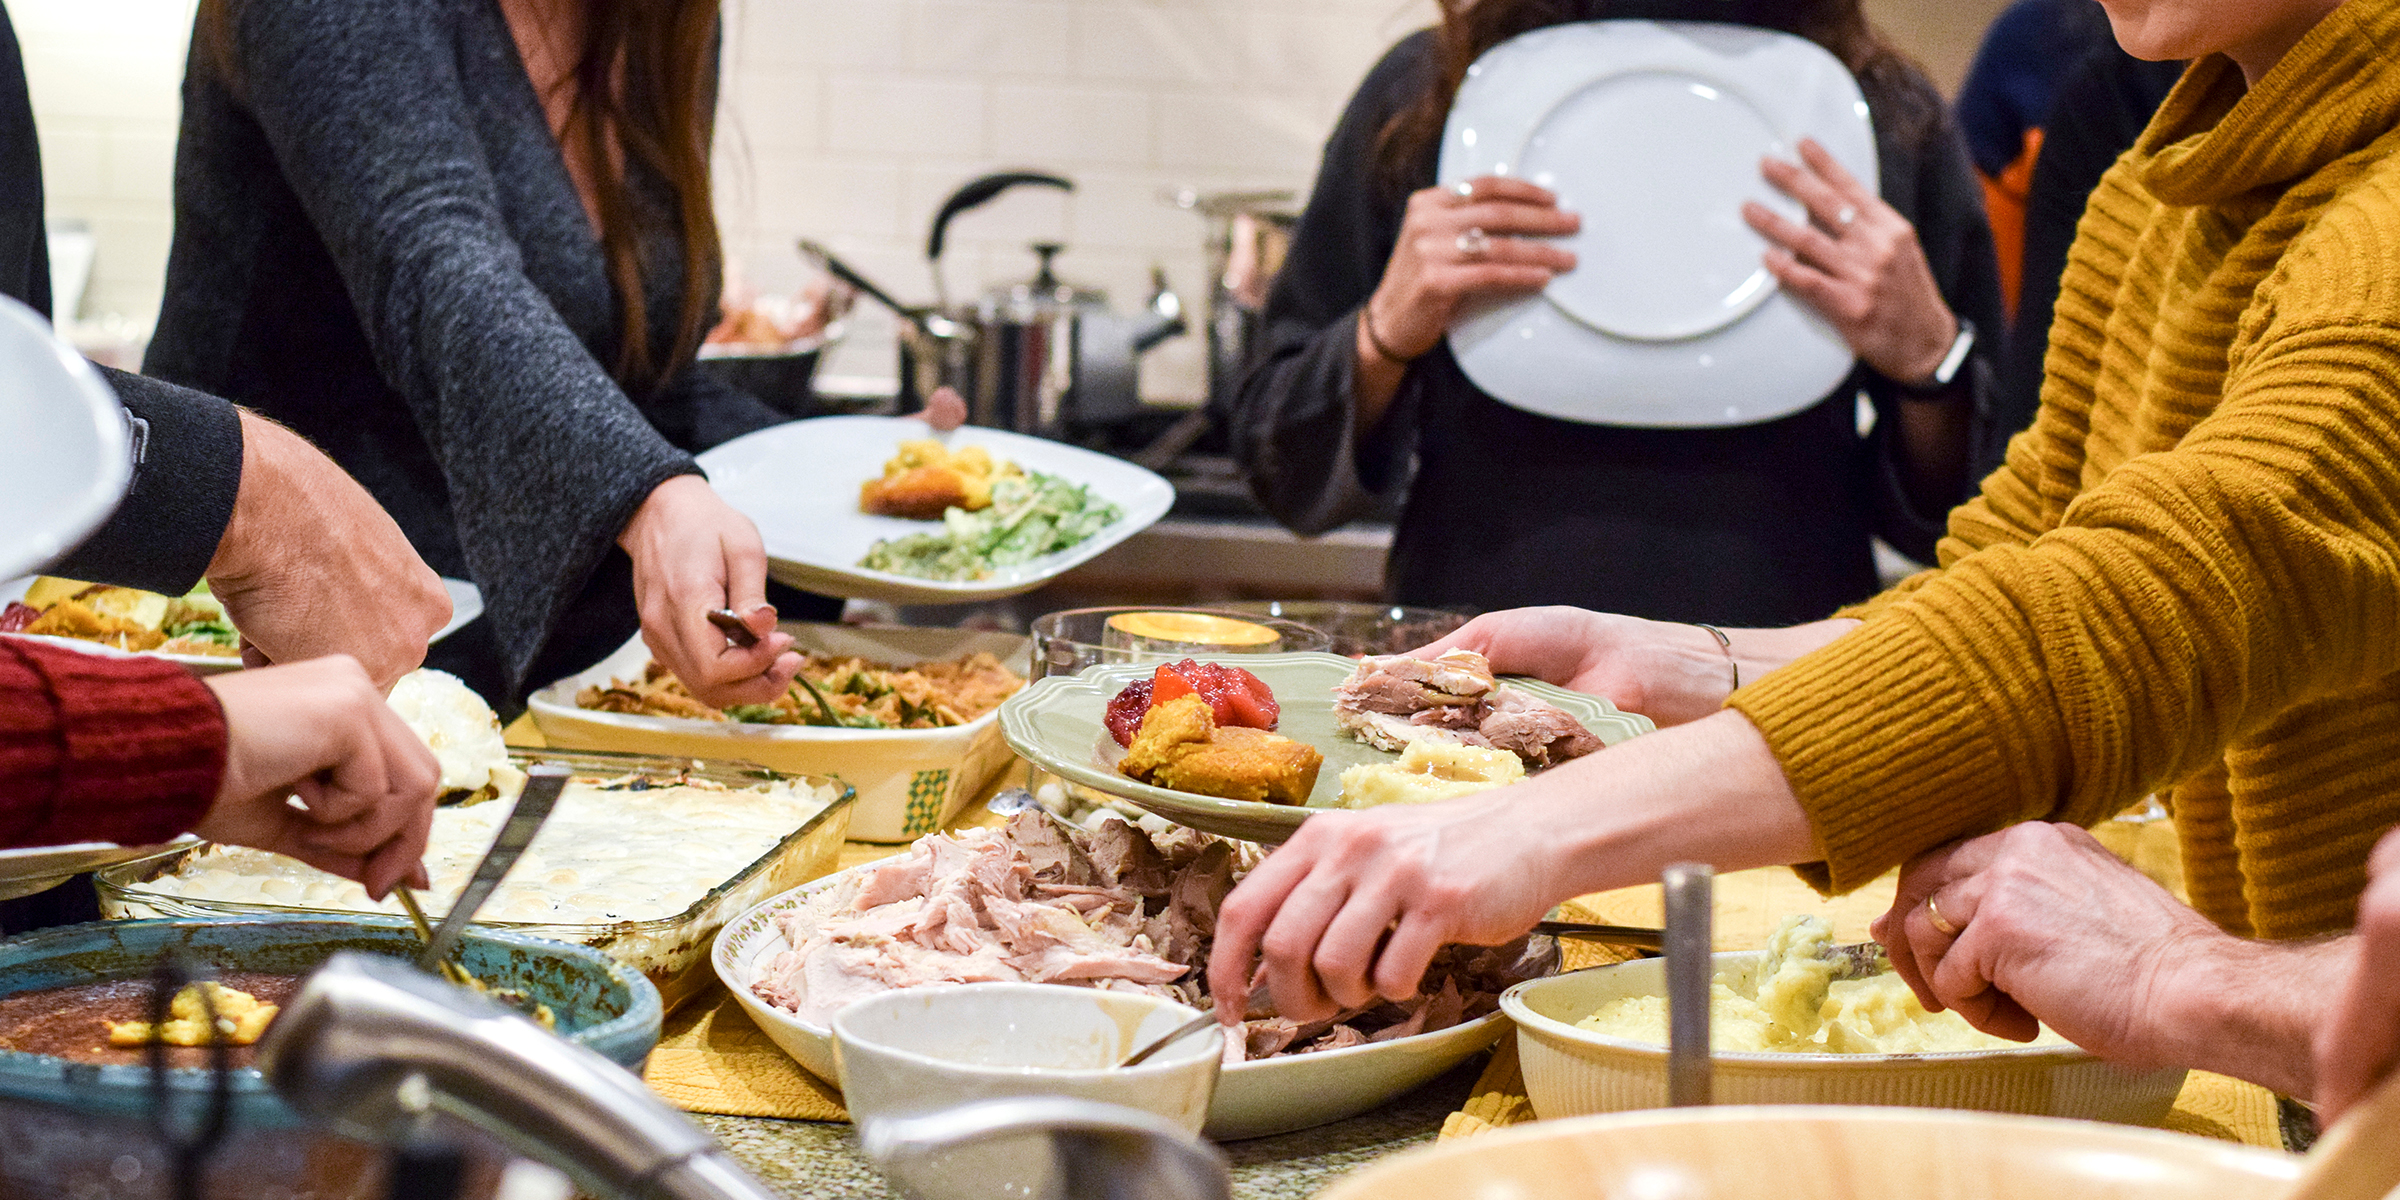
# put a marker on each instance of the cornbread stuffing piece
(1797, 1008)
(926, 478)
(241, 1019)
(1180, 746)
(1430, 771)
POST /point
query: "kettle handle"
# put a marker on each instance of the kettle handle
(978, 191)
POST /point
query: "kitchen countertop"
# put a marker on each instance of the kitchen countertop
(815, 1158)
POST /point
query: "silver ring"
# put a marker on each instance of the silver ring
(1465, 189)
(1933, 912)
(1474, 242)
(1847, 215)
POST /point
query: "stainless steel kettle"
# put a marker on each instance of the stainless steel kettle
(1043, 356)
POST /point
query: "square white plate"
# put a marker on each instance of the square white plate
(799, 481)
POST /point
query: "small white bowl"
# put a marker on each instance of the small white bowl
(1574, 1072)
(914, 1051)
(910, 782)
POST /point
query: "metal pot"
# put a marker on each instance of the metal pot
(1042, 356)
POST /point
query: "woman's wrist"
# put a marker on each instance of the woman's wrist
(1714, 658)
(659, 511)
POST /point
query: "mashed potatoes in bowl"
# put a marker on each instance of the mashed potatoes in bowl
(1792, 1004)
(1856, 1044)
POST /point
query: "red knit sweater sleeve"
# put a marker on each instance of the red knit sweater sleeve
(92, 749)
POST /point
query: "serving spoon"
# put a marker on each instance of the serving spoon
(1852, 960)
(1177, 1034)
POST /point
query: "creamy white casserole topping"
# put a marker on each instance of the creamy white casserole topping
(611, 851)
(462, 731)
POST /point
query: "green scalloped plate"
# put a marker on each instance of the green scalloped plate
(1056, 724)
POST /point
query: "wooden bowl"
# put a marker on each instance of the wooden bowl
(1801, 1153)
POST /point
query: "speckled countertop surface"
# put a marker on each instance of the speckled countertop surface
(816, 1159)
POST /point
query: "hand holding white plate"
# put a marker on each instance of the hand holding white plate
(799, 482)
(1653, 132)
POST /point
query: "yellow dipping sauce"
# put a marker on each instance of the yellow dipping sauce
(1196, 629)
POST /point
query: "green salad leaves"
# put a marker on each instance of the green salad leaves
(1029, 517)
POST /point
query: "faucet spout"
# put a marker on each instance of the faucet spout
(373, 1045)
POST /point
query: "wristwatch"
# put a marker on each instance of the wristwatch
(1952, 363)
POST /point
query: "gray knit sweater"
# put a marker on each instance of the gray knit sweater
(378, 243)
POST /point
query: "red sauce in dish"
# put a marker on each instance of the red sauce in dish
(1236, 698)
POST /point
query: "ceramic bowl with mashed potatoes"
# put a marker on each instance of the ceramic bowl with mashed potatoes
(1594, 1041)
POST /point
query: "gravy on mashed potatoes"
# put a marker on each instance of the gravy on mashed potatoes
(1797, 1008)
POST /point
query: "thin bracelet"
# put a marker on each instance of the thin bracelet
(1366, 321)
(1726, 644)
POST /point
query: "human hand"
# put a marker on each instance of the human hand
(311, 565)
(1456, 245)
(1670, 673)
(691, 553)
(1318, 909)
(1482, 869)
(945, 409)
(1857, 264)
(2051, 926)
(320, 730)
(2361, 1044)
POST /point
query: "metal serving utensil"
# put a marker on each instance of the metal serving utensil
(730, 624)
(1852, 960)
(1691, 968)
(542, 786)
(416, 916)
(1177, 1034)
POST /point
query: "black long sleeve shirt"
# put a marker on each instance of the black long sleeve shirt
(166, 529)
(1761, 524)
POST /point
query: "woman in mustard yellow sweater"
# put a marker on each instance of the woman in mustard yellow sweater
(2185, 579)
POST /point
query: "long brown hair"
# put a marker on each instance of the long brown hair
(1471, 27)
(645, 97)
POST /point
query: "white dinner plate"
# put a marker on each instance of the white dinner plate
(466, 604)
(63, 458)
(799, 481)
(1652, 131)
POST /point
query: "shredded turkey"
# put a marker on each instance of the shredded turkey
(1393, 700)
(1039, 902)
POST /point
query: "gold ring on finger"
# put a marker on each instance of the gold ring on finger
(1474, 243)
(1933, 913)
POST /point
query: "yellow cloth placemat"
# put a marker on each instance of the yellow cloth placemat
(712, 1058)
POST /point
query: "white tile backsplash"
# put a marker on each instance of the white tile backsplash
(848, 121)
(1130, 98)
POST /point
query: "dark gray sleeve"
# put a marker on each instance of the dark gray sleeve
(1942, 197)
(544, 456)
(1293, 420)
(167, 527)
(698, 411)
